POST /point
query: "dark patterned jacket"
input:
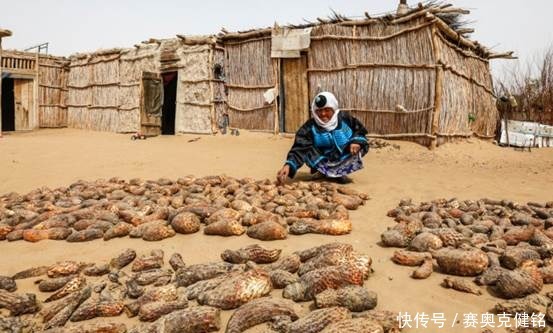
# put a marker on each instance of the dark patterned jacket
(314, 144)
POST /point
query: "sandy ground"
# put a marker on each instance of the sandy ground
(469, 170)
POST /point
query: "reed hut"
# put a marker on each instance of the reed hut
(412, 74)
(33, 91)
(158, 87)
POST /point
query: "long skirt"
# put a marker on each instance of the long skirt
(340, 168)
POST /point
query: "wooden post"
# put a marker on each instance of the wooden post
(211, 77)
(438, 89)
(36, 116)
(276, 76)
(356, 59)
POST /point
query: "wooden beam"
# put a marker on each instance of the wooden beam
(276, 75)
(374, 38)
(212, 91)
(35, 118)
(197, 40)
(465, 31)
(401, 135)
(448, 31)
(249, 34)
(438, 88)
(504, 55)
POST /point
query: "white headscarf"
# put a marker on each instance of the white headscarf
(331, 102)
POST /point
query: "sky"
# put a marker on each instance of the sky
(71, 26)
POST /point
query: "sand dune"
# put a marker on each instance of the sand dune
(468, 170)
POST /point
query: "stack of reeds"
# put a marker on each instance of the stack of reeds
(382, 74)
(195, 110)
(52, 91)
(250, 71)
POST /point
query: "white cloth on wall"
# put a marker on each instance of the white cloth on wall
(269, 95)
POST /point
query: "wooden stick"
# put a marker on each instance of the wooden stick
(505, 55)
(389, 111)
(373, 65)
(378, 38)
(246, 41)
(276, 70)
(195, 51)
(94, 62)
(250, 109)
(103, 106)
(450, 32)
(438, 89)
(456, 72)
(196, 104)
(463, 52)
(195, 40)
(246, 35)
(467, 135)
(128, 108)
(239, 86)
(451, 10)
(171, 68)
(201, 80)
(405, 18)
(465, 31)
(52, 86)
(137, 57)
(90, 85)
(52, 65)
(401, 135)
(131, 84)
(53, 105)
(212, 91)
(34, 118)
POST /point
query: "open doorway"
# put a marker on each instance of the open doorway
(170, 81)
(8, 105)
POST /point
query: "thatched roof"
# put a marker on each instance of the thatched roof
(448, 20)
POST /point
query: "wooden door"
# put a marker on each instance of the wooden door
(151, 102)
(24, 106)
(296, 99)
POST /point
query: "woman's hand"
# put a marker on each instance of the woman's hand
(283, 174)
(354, 148)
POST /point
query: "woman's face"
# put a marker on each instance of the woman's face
(325, 114)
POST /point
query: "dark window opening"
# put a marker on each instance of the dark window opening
(169, 102)
(8, 105)
(218, 72)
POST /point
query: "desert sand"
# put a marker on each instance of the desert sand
(472, 169)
